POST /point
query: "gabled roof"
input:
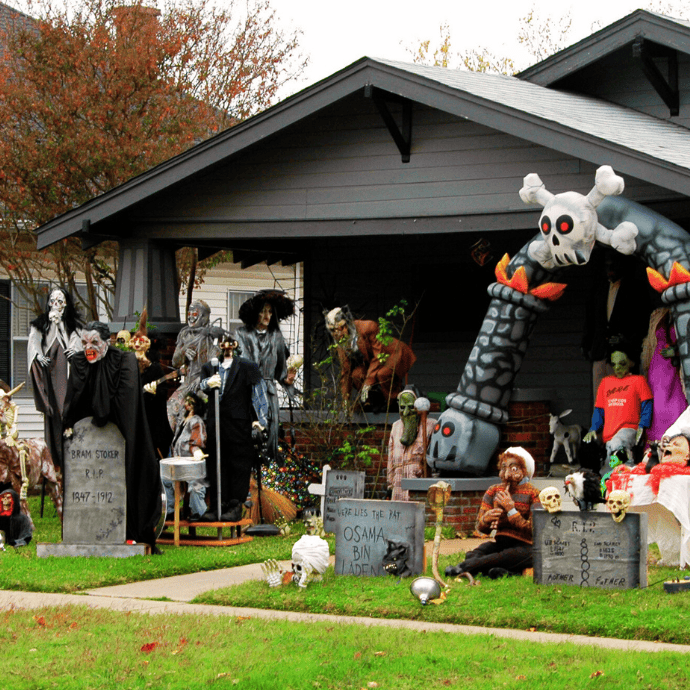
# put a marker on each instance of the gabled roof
(633, 143)
(666, 31)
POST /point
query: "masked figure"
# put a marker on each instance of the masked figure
(194, 347)
(241, 394)
(261, 341)
(374, 368)
(408, 442)
(17, 527)
(54, 338)
(105, 384)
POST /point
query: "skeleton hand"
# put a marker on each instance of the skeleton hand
(151, 387)
(190, 354)
(43, 360)
(213, 381)
(364, 395)
(70, 352)
(272, 572)
(68, 433)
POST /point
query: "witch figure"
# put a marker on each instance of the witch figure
(261, 341)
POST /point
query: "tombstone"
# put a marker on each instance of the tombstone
(95, 495)
(362, 528)
(589, 549)
(340, 484)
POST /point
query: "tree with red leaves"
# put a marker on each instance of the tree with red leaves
(94, 94)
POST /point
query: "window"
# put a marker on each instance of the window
(235, 300)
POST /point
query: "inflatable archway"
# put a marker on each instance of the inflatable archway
(468, 432)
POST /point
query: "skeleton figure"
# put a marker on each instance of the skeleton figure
(309, 559)
(618, 504)
(569, 223)
(310, 556)
(550, 498)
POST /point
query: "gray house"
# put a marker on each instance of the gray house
(395, 181)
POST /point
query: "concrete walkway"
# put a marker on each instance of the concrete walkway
(181, 589)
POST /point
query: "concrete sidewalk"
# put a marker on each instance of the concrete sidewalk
(181, 589)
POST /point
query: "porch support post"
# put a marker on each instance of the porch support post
(146, 277)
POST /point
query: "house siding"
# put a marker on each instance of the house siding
(342, 164)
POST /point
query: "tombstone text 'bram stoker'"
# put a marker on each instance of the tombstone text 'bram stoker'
(95, 496)
(363, 528)
(340, 484)
(589, 549)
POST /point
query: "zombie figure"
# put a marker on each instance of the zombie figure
(195, 345)
(374, 369)
(104, 383)
(261, 341)
(54, 338)
(408, 442)
(188, 442)
(242, 406)
(623, 408)
(506, 514)
(17, 527)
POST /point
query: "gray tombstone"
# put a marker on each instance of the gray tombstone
(363, 528)
(94, 495)
(340, 484)
(589, 549)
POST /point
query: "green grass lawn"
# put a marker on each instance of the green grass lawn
(648, 614)
(76, 647)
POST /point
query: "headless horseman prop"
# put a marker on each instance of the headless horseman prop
(104, 383)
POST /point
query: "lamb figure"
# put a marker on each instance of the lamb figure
(569, 224)
(567, 437)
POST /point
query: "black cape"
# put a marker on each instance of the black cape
(110, 391)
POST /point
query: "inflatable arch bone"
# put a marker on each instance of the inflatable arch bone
(468, 431)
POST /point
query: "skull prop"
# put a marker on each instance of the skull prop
(56, 304)
(551, 500)
(618, 504)
(309, 559)
(569, 224)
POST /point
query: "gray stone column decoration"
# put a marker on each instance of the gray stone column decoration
(468, 432)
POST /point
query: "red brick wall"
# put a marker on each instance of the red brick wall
(529, 428)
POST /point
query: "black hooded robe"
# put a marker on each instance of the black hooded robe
(110, 390)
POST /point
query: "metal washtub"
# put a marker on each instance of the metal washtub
(183, 469)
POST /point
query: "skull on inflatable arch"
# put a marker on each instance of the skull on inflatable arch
(569, 224)
(551, 500)
(618, 504)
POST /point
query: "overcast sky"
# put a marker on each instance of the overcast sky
(337, 35)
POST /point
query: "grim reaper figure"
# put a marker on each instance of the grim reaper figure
(54, 338)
